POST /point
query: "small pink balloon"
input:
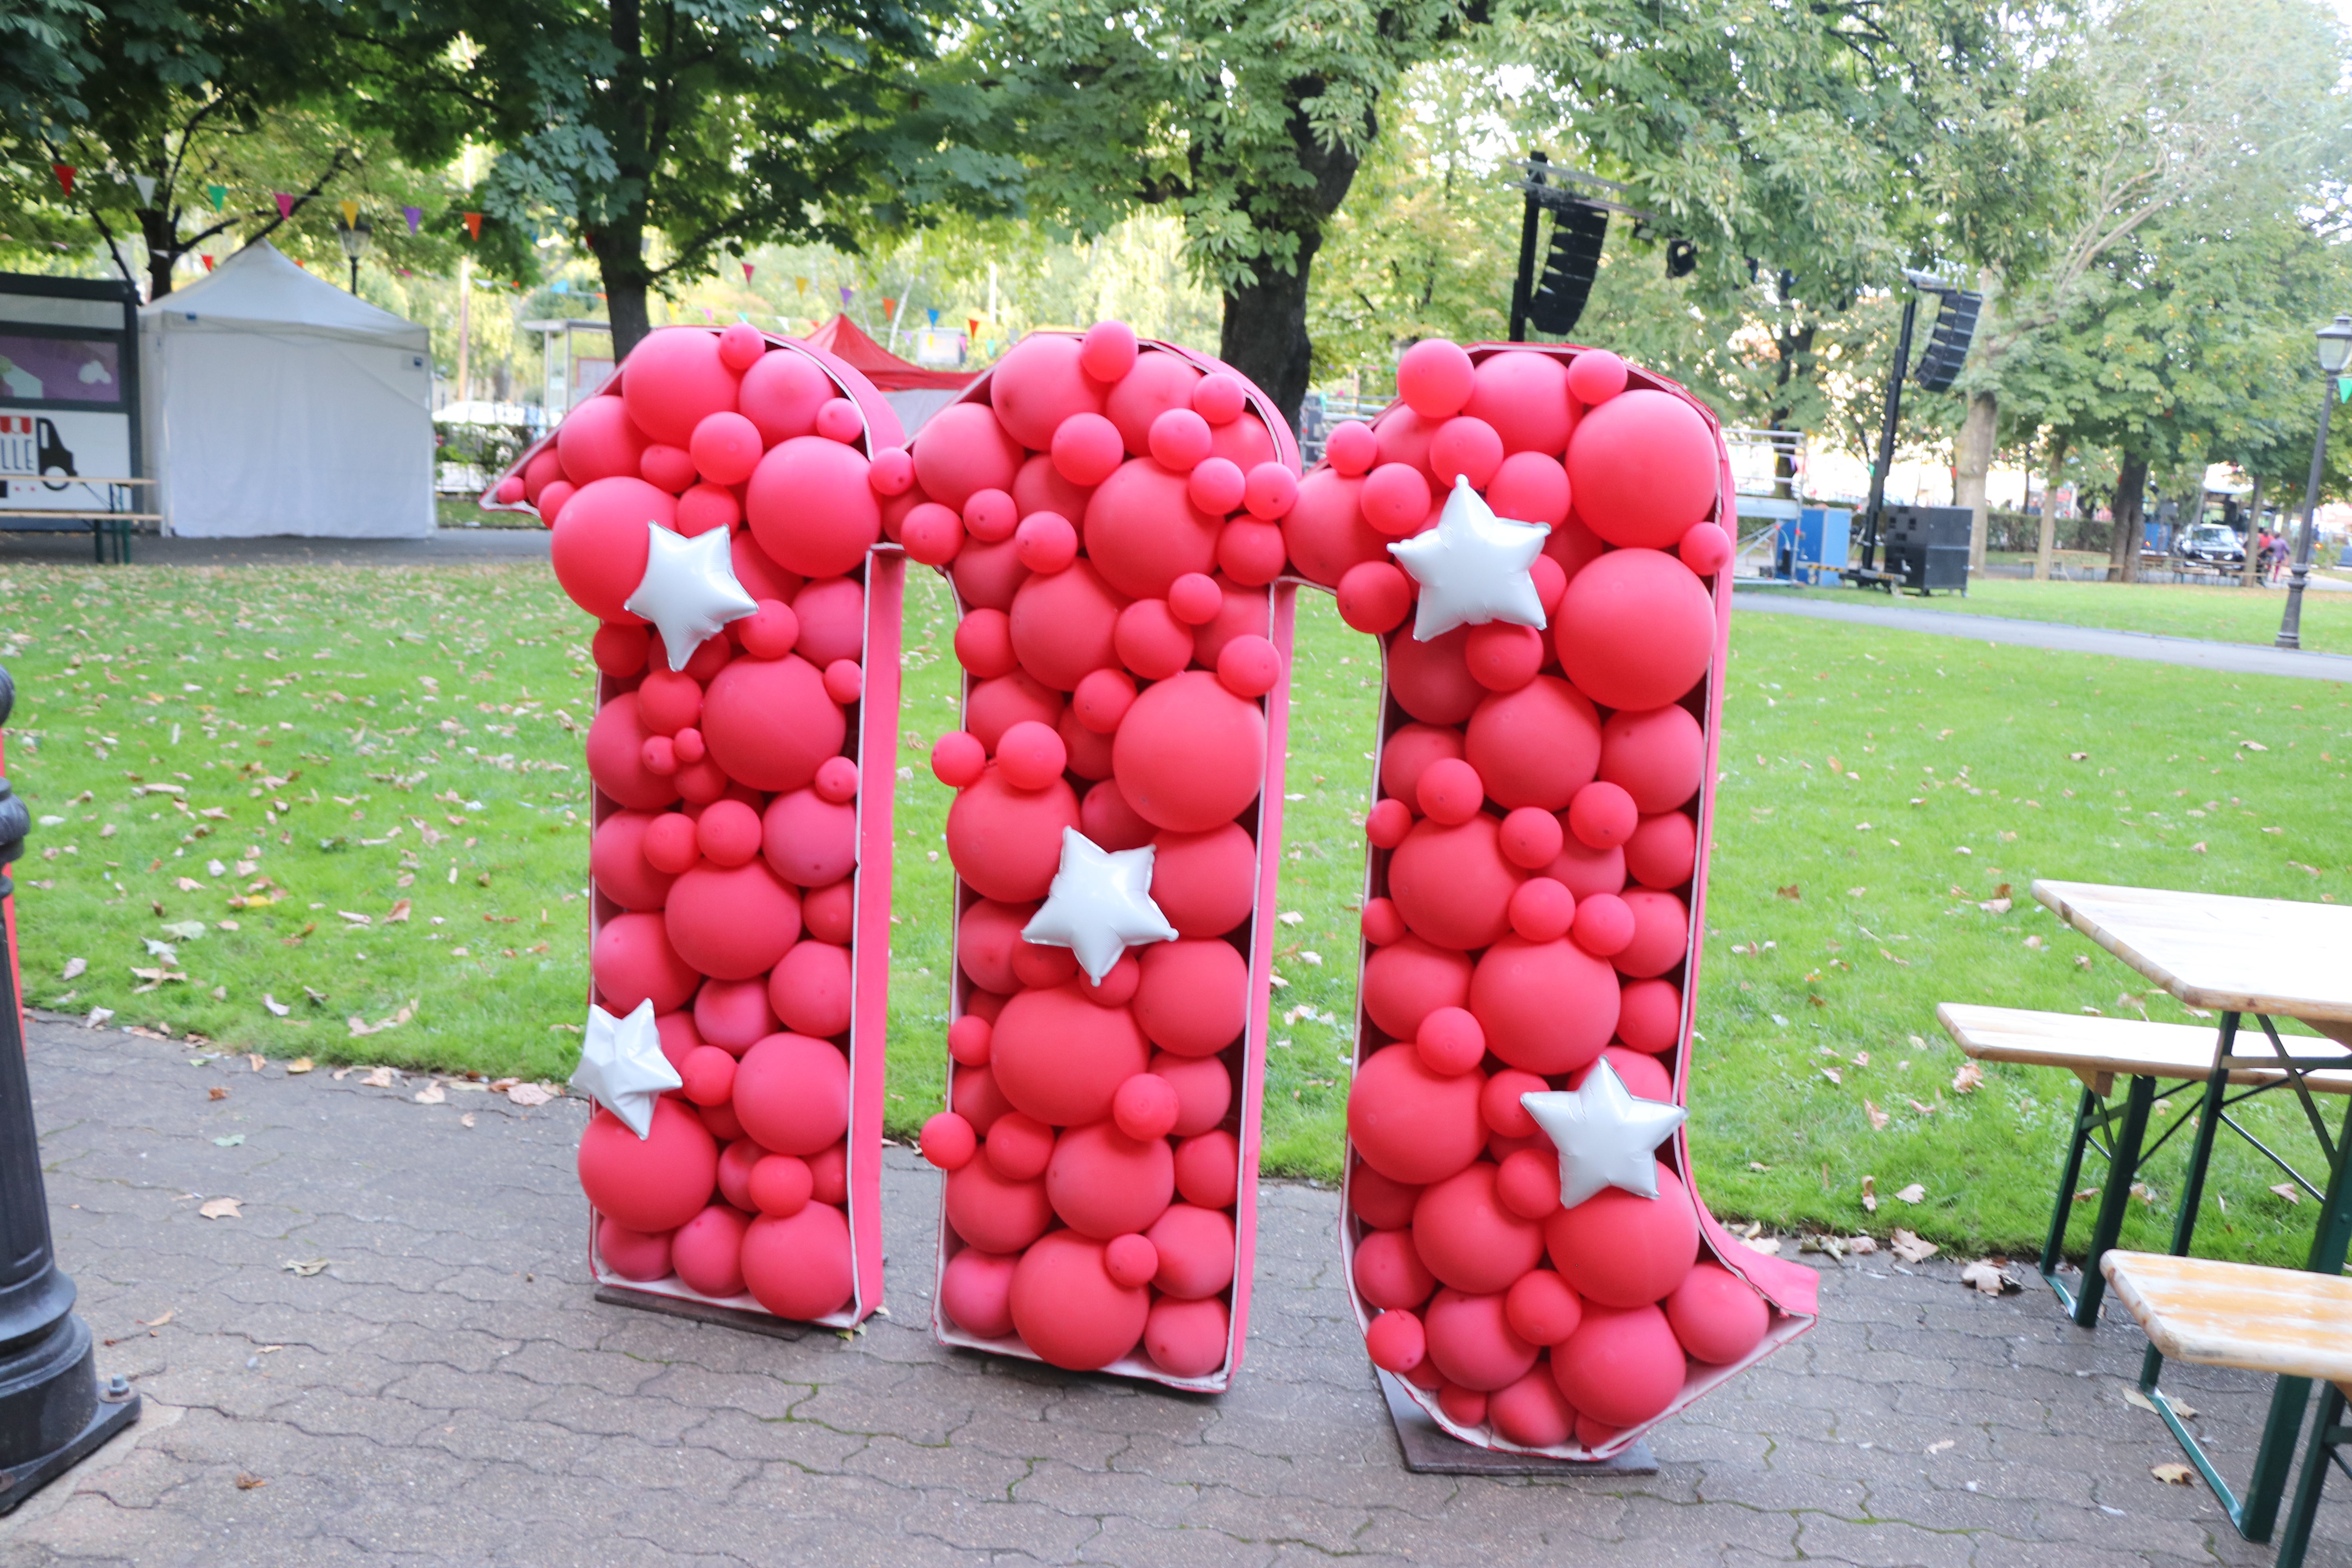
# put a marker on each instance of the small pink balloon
(1435, 378)
(1180, 439)
(1249, 666)
(1395, 499)
(726, 447)
(1194, 598)
(1086, 449)
(1108, 351)
(1270, 490)
(1220, 397)
(1596, 375)
(1216, 485)
(990, 515)
(740, 346)
(892, 473)
(836, 781)
(1351, 448)
(1705, 549)
(1045, 541)
(958, 758)
(839, 420)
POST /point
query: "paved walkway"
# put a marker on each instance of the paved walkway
(2234, 659)
(445, 1390)
(444, 547)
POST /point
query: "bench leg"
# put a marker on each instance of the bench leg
(2327, 1432)
(2053, 1250)
(2201, 1156)
(2112, 1201)
(2276, 1454)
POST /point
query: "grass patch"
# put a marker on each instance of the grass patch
(464, 511)
(1852, 965)
(2210, 614)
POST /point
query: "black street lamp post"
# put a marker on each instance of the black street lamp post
(354, 237)
(52, 1411)
(2334, 354)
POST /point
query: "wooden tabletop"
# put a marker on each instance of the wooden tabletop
(2275, 957)
(2278, 1321)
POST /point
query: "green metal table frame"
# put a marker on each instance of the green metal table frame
(2125, 1130)
(2329, 1437)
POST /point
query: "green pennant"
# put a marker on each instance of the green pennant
(219, 194)
(2344, 389)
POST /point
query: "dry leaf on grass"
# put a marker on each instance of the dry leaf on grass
(1833, 1074)
(2289, 1190)
(75, 967)
(431, 1094)
(1989, 1278)
(257, 1060)
(277, 1007)
(2174, 1474)
(1861, 1246)
(1911, 1249)
(224, 1208)
(1769, 1245)
(1912, 1194)
(530, 1094)
(399, 912)
(1869, 1193)
(1878, 1119)
(158, 1321)
(1965, 1080)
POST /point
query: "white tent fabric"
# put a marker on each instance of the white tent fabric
(278, 403)
(915, 405)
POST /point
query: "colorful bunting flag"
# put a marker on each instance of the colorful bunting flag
(416, 215)
(473, 225)
(800, 285)
(845, 289)
(935, 318)
(65, 174)
(747, 272)
(889, 308)
(972, 328)
(219, 194)
(285, 203)
(207, 261)
(350, 213)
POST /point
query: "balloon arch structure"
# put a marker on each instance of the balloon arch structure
(1538, 534)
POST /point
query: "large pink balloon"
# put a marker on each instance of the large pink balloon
(1190, 755)
(597, 440)
(674, 380)
(1142, 530)
(599, 544)
(1643, 467)
(1037, 385)
(811, 507)
(770, 722)
(1635, 630)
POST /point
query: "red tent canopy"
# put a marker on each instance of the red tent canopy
(843, 338)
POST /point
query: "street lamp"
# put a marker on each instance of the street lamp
(355, 238)
(2334, 354)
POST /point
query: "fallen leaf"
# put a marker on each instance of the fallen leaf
(1861, 1246)
(306, 1269)
(1940, 1447)
(247, 1480)
(216, 1092)
(2174, 1474)
(1910, 1249)
(1989, 1277)
(299, 1065)
(399, 913)
(2253, 745)
(1995, 905)
(1912, 1194)
(257, 1060)
(530, 1094)
(1753, 1165)
(1789, 892)
(467, 1119)
(1878, 1119)
(231, 1141)
(356, 919)
(378, 1078)
(2289, 1190)
(224, 1208)
(74, 968)
(2134, 1397)
(1769, 1245)
(1869, 1193)
(1965, 1080)
(157, 1322)
(431, 1094)
(1833, 1074)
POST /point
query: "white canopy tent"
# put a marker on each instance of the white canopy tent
(278, 403)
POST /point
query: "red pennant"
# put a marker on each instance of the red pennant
(65, 174)
(285, 203)
(889, 307)
(972, 326)
(207, 261)
(473, 225)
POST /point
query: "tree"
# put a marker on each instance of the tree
(1249, 118)
(289, 96)
(669, 135)
(2168, 115)
(43, 60)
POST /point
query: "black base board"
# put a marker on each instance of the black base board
(701, 1311)
(1429, 1450)
(19, 1482)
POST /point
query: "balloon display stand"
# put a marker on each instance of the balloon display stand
(982, 1198)
(1429, 1450)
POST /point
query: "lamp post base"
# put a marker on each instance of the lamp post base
(52, 1404)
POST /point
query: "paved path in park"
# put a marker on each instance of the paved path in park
(445, 1390)
(2234, 659)
(447, 546)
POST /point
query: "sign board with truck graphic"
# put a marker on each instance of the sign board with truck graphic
(68, 391)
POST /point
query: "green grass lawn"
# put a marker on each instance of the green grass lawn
(432, 719)
(2212, 614)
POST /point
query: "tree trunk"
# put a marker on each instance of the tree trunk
(619, 244)
(157, 237)
(2047, 545)
(2249, 572)
(1264, 333)
(2131, 490)
(1971, 457)
(621, 263)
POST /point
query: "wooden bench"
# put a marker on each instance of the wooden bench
(2100, 1050)
(110, 527)
(2294, 1325)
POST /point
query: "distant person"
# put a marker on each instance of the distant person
(2277, 558)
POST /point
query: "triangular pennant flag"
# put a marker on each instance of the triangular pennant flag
(473, 225)
(971, 326)
(208, 263)
(747, 272)
(146, 183)
(800, 285)
(65, 174)
(219, 194)
(285, 203)
(889, 308)
(561, 286)
(845, 289)
(414, 216)
(351, 212)
(2344, 388)
(935, 318)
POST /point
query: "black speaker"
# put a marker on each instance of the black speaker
(1577, 229)
(1682, 259)
(1947, 345)
(1927, 546)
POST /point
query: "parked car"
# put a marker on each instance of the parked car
(2214, 542)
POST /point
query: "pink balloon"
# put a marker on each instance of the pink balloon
(1061, 625)
(597, 440)
(1068, 1310)
(1410, 1124)
(633, 1254)
(1104, 1184)
(1524, 395)
(1453, 885)
(1664, 850)
(1620, 1249)
(770, 723)
(665, 467)
(633, 962)
(1143, 531)
(1060, 1058)
(781, 396)
(1325, 533)
(1472, 1342)
(1536, 746)
(798, 1267)
(1389, 1271)
(1468, 1239)
(1596, 375)
(1204, 882)
(995, 706)
(810, 507)
(1086, 450)
(1660, 934)
(1620, 1368)
(616, 860)
(1645, 467)
(734, 1015)
(1038, 385)
(791, 1093)
(653, 1184)
(1194, 996)
(1529, 487)
(1151, 641)
(1108, 351)
(731, 923)
(1405, 981)
(976, 1289)
(1158, 382)
(1546, 1007)
(599, 545)
(1635, 630)
(1650, 1016)
(1395, 499)
(708, 1251)
(1109, 822)
(1435, 378)
(1656, 756)
(964, 449)
(1007, 842)
(1430, 680)
(810, 989)
(1466, 448)
(672, 379)
(1190, 755)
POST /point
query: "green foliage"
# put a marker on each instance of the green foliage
(44, 59)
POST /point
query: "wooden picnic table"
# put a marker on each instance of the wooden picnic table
(2245, 959)
(110, 525)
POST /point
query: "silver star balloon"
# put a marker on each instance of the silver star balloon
(622, 1067)
(1473, 567)
(1606, 1138)
(688, 590)
(1099, 905)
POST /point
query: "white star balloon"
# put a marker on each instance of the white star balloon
(690, 590)
(622, 1067)
(1606, 1138)
(1473, 567)
(1099, 905)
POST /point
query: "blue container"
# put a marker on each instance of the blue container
(1813, 549)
